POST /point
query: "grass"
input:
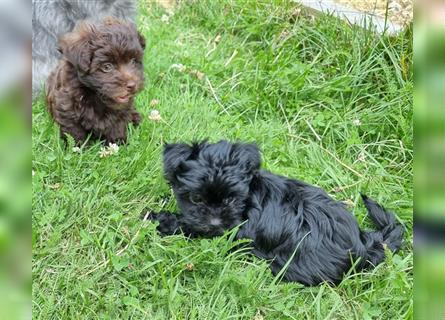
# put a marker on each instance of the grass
(326, 103)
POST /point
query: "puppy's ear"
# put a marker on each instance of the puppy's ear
(76, 46)
(248, 156)
(175, 155)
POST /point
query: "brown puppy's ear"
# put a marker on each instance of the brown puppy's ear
(76, 46)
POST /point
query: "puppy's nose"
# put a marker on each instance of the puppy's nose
(215, 221)
(131, 85)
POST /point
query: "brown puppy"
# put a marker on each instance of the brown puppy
(92, 89)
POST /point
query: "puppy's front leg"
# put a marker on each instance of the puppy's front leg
(135, 117)
(76, 131)
(168, 223)
(117, 133)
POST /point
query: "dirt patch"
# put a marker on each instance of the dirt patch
(399, 11)
(168, 5)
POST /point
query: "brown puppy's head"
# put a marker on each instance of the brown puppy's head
(108, 59)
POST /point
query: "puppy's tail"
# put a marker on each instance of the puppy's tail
(390, 232)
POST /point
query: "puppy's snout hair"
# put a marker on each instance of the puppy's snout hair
(215, 221)
(289, 222)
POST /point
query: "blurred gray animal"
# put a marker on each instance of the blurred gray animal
(51, 19)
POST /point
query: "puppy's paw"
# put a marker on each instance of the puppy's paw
(136, 118)
(146, 214)
(116, 139)
(168, 223)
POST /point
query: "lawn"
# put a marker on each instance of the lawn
(326, 103)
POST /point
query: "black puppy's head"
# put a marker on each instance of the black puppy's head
(211, 182)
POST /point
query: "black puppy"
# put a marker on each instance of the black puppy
(218, 186)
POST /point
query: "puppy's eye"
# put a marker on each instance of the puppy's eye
(106, 67)
(196, 198)
(134, 62)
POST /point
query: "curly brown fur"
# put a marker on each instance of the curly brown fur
(53, 18)
(92, 89)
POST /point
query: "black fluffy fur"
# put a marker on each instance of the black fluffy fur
(219, 186)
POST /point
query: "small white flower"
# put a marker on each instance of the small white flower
(356, 122)
(111, 149)
(77, 149)
(361, 157)
(165, 18)
(103, 153)
(155, 115)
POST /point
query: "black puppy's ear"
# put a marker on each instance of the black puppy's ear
(76, 46)
(176, 154)
(248, 156)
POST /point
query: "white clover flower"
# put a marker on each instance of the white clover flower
(356, 122)
(165, 18)
(76, 150)
(113, 147)
(103, 152)
(155, 115)
(109, 150)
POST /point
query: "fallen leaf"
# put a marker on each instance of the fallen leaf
(179, 66)
(154, 102)
(258, 316)
(349, 203)
(198, 74)
(54, 186)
